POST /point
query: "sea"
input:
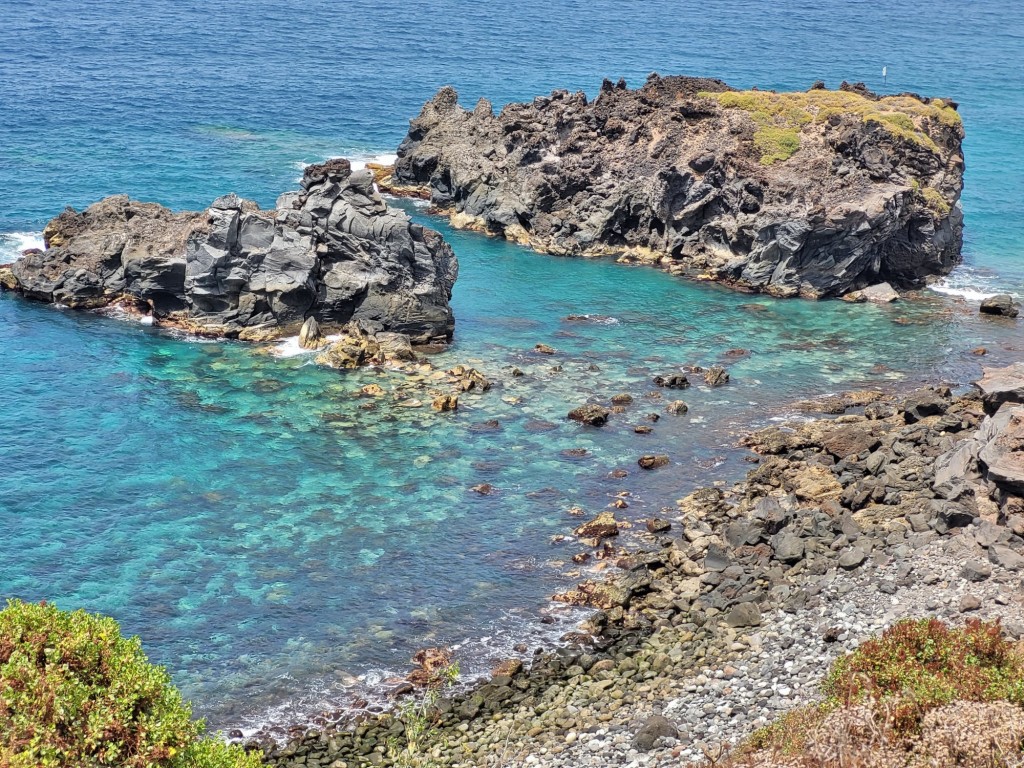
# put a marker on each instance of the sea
(280, 548)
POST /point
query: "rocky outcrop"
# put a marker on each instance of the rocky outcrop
(817, 193)
(332, 251)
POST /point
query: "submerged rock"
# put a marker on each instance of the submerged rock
(817, 193)
(591, 413)
(333, 251)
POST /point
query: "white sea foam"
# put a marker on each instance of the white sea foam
(13, 243)
(968, 283)
(289, 347)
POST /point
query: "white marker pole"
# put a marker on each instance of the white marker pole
(885, 73)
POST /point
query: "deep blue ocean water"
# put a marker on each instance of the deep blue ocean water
(267, 537)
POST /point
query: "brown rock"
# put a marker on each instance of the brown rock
(849, 441)
(445, 403)
(653, 461)
(601, 527)
(544, 349)
(310, 335)
(591, 413)
(716, 376)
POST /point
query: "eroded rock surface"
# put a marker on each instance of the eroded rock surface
(332, 251)
(817, 193)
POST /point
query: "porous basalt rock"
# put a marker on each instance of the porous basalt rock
(818, 193)
(332, 251)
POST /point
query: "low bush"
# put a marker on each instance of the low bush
(74, 692)
(920, 665)
(923, 694)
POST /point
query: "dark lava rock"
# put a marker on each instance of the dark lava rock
(852, 558)
(923, 403)
(591, 413)
(656, 727)
(673, 168)
(333, 251)
(672, 381)
(1001, 304)
(976, 570)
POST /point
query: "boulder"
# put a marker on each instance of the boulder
(310, 335)
(445, 403)
(922, 404)
(676, 173)
(1001, 304)
(601, 527)
(882, 293)
(591, 414)
(743, 615)
(789, 548)
(672, 381)
(653, 461)
(677, 408)
(849, 441)
(716, 376)
(1001, 457)
(333, 252)
(654, 728)
(1001, 385)
(8, 281)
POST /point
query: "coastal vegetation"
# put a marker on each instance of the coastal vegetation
(74, 692)
(922, 691)
(781, 116)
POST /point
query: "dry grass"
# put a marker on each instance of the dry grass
(959, 735)
(923, 695)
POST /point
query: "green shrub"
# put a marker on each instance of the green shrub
(74, 692)
(917, 666)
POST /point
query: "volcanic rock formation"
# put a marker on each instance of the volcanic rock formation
(333, 251)
(817, 193)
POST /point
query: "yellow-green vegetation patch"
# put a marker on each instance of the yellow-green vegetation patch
(901, 116)
(935, 201)
(776, 143)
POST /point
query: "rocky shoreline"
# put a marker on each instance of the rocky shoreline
(817, 194)
(735, 601)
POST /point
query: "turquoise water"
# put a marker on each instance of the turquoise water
(269, 535)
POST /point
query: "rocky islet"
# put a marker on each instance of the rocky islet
(333, 251)
(818, 194)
